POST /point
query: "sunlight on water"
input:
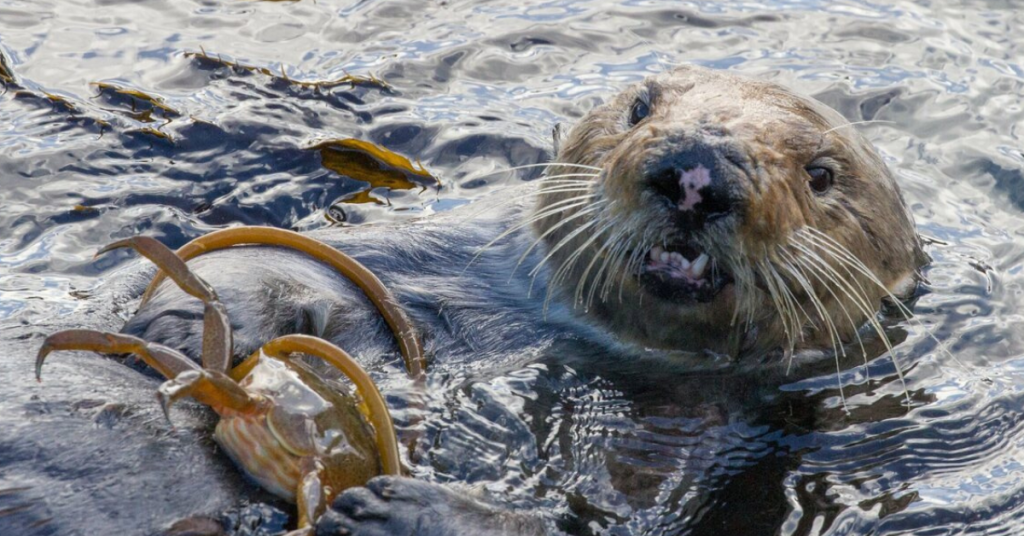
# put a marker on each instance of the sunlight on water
(173, 119)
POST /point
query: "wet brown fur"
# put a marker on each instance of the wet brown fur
(778, 134)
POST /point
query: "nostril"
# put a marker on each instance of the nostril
(666, 184)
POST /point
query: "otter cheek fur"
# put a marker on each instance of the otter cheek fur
(727, 214)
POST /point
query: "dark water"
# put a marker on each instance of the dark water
(477, 87)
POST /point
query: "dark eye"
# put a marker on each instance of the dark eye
(821, 179)
(638, 112)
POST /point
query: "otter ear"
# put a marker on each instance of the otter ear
(557, 135)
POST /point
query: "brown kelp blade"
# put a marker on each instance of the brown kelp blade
(210, 61)
(376, 165)
(138, 104)
(7, 77)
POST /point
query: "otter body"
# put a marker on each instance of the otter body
(696, 211)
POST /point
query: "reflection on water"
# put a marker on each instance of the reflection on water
(177, 118)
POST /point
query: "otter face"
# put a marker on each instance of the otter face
(724, 213)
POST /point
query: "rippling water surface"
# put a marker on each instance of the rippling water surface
(177, 118)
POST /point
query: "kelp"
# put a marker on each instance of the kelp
(29, 92)
(142, 105)
(60, 102)
(7, 77)
(151, 134)
(380, 167)
(207, 61)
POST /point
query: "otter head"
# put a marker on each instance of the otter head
(703, 210)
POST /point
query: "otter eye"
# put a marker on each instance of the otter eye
(638, 112)
(821, 179)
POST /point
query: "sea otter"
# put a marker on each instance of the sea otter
(698, 213)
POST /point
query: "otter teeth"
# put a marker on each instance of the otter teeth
(678, 265)
(699, 264)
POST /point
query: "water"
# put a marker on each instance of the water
(478, 86)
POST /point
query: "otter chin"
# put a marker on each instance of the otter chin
(701, 210)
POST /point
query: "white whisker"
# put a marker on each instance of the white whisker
(554, 208)
(843, 255)
(571, 260)
(559, 186)
(837, 343)
(859, 266)
(530, 166)
(836, 279)
(580, 213)
(858, 123)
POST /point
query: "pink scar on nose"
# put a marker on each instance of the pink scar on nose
(690, 182)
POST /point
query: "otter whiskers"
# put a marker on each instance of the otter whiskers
(787, 305)
(795, 267)
(623, 257)
(571, 260)
(811, 250)
(548, 185)
(554, 208)
(568, 219)
(852, 123)
(611, 241)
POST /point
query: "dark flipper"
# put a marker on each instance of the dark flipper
(396, 505)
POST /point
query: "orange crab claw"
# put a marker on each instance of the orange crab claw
(211, 388)
(164, 360)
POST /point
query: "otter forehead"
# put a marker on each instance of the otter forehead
(724, 104)
(727, 92)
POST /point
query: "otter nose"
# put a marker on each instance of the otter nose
(693, 182)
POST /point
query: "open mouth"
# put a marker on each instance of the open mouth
(683, 272)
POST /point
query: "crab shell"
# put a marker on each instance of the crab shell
(306, 424)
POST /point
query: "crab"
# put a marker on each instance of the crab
(295, 434)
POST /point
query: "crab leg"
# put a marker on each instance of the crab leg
(214, 389)
(167, 362)
(216, 327)
(310, 497)
(209, 387)
(387, 444)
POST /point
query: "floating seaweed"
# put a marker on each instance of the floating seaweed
(206, 61)
(30, 92)
(365, 161)
(61, 103)
(350, 80)
(303, 453)
(143, 105)
(6, 73)
(151, 134)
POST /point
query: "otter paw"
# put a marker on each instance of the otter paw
(394, 505)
